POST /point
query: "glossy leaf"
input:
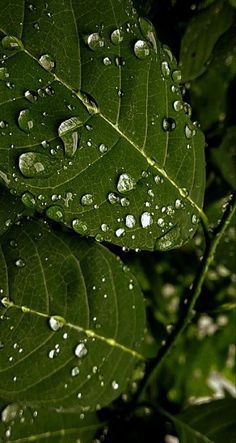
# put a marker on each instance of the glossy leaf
(209, 422)
(201, 35)
(97, 124)
(23, 424)
(11, 209)
(72, 326)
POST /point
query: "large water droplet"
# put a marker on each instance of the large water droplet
(28, 200)
(95, 41)
(47, 62)
(81, 350)
(86, 200)
(35, 164)
(165, 69)
(168, 124)
(146, 219)
(125, 183)
(79, 226)
(130, 221)
(141, 49)
(117, 36)
(56, 322)
(55, 213)
(25, 120)
(68, 131)
(4, 74)
(12, 43)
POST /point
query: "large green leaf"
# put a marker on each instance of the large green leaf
(23, 424)
(11, 209)
(209, 422)
(88, 360)
(201, 35)
(126, 139)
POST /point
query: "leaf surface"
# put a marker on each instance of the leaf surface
(97, 125)
(11, 209)
(83, 357)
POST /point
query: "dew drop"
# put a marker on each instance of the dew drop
(56, 322)
(79, 226)
(165, 69)
(148, 31)
(81, 350)
(30, 96)
(125, 183)
(194, 219)
(3, 124)
(95, 41)
(177, 105)
(86, 200)
(124, 202)
(130, 221)
(12, 43)
(117, 36)
(25, 120)
(168, 124)
(68, 132)
(107, 61)
(55, 213)
(75, 371)
(47, 62)
(115, 385)
(146, 219)
(178, 203)
(189, 132)
(102, 148)
(35, 164)
(104, 227)
(176, 76)
(90, 103)
(28, 200)
(160, 222)
(113, 198)
(120, 232)
(168, 52)
(141, 49)
(4, 73)
(20, 263)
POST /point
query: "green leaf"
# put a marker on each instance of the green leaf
(23, 424)
(224, 157)
(10, 209)
(209, 422)
(73, 319)
(97, 125)
(200, 37)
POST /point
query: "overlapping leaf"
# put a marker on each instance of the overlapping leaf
(95, 126)
(83, 357)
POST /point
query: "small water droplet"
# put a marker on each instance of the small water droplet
(86, 200)
(141, 49)
(177, 105)
(165, 69)
(56, 322)
(194, 219)
(115, 385)
(117, 36)
(75, 371)
(20, 263)
(35, 164)
(4, 73)
(30, 96)
(113, 198)
(68, 131)
(104, 227)
(79, 226)
(160, 222)
(12, 43)
(25, 120)
(130, 221)
(124, 202)
(102, 148)
(168, 124)
(55, 213)
(146, 219)
(189, 132)
(81, 350)
(120, 232)
(179, 204)
(107, 61)
(148, 31)
(125, 183)
(28, 199)
(47, 62)
(95, 41)
(176, 76)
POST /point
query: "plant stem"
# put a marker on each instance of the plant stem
(191, 298)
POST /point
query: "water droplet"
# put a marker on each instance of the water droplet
(158, 179)
(6, 302)
(47, 62)
(52, 353)
(95, 41)
(189, 132)
(117, 36)
(28, 200)
(69, 134)
(179, 204)
(194, 219)
(104, 227)
(160, 222)
(125, 183)
(113, 198)
(168, 124)
(79, 226)
(148, 31)
(146, 219)
(107, 61)
(35, 164)
(12, 43)
(119, 62)
(3, 124)
(25, 120)
(75, 371)
(187, 109)
(30, 96)
(20, 263)
(115, 385)
(102, 148)
(124, 201)
(168, 52)
(86, 200)
(176, 76)
(4, 73)
(56, 322)
(141, 49)
(177, 105)
(120, 232)
(81, 350)
(89, 102)
(55, 213)
(165, 69)
(130, 221)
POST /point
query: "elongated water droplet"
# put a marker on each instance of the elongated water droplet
(95, 41)
(89, 102)
(141, 49)
(79, 226)
(125, 183)
(55, 213)
(68, 131)
(168, 52)
(81, 350)
(120, 232)
(47, 62)
(165, 69)
(28, 200)
(4, 73)
(148, 31)
(146, 219)
(12, 43)
(86, 200)
(117, 36)
(168, 124)
(35, 164)
(56, 322)
(130, 221)
(25, 121)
